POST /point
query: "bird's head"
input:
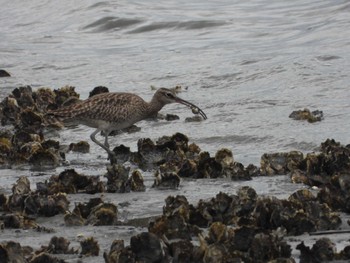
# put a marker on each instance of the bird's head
(167, 96)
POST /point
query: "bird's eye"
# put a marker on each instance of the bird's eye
(169, 95)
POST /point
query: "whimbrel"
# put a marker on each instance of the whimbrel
(116, 111)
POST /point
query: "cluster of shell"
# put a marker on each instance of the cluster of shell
(242, 227)
(14, 252)
(228, 228)
(25, 110)
(328, 170)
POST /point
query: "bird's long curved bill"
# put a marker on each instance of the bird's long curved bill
(193, 107)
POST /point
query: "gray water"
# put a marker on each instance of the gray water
(247, 64)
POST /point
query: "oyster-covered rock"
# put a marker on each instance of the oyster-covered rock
(280, 163)
(306, 114)
(89, 247)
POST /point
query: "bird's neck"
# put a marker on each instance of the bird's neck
(154, 106)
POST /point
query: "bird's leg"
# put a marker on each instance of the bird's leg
(106, 138)
(105, 146)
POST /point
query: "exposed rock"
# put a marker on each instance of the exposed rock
(306, 114)
(81, 147)
(89, 247)
(4, 73)
(98, 90)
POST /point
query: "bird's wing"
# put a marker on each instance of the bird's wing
(111, 107)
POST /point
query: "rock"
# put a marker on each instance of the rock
(224, 157)
(171, 117)
(136, 182)
(89, 247)
(194, 119)
(268, 247)
(81, 147)
(182, 251)
(147, 247)
(103, 214)
(306, 114)
(46, 258)
(322, 251)
(118, 253)
(280, 163)
(122, 153)
(12, 252)
(65, 96)
(46, 205)
(117, 179)
(74, 218)
(59, 245)
(4, 73)
(98, 90)
(166, 180)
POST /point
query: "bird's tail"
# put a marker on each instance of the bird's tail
(58, 118)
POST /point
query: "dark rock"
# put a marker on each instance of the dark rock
(12, 252)
(103, 214)
(81, 147)
(267, 247)
(280, 163)
(89, 247)
(136, 182)
(122, 153)
(166, 180)
(171, 117)
(59, 245)
(65, 96)
(147, 247)
(118, 253)
(4, 73)
(98, 90)
(322, 251)
(182, 251)
(74, 218)
(45, 258)
(194, 119)
(117, 179)
(46, 205)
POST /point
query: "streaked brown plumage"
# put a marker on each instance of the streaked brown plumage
(115, 111)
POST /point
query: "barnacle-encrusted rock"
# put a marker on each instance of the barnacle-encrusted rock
(322, 251)
(45, 257)
(71, 182)
(171, 117)
(147, 247)
(268, 246)
(166, 180)
(51, 205)
(81, 147)
(103, 214)
(280, 163)
(13, 252)
(122, 153)
(136, 182)
(117, 179)
(95, 212)
(306, 114)
(98, 90)
(59, 245)
(119, 253)
(89, 247)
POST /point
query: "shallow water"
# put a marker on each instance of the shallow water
(248, 65)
